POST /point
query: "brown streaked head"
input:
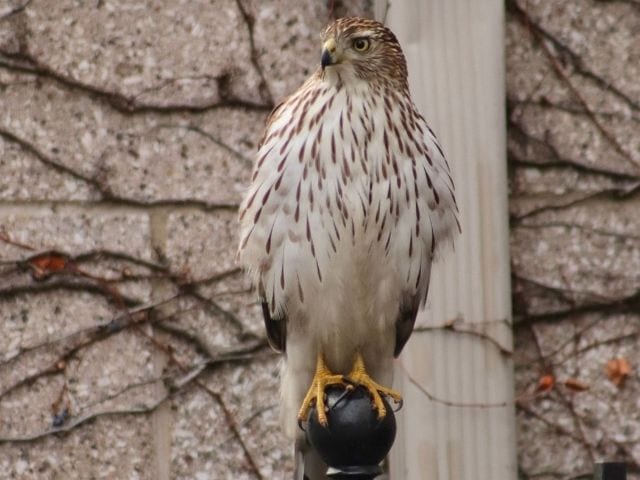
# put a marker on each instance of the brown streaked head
(365, 48)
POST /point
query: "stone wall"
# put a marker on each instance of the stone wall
(573, 87)
(131, 346)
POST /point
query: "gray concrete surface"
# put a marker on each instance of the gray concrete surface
(574, 158)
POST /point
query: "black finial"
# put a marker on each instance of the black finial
(610, 471)
(355, 441)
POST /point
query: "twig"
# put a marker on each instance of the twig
(450, 403)
(28, 63)
(193, 375)
(457, 326)
(557, 67)
(207, 135)
(234, 428)
(77, 421)
(4, 236)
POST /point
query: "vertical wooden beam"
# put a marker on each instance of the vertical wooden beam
(162, 417)
(455, 51)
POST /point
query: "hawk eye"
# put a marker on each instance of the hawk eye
(361, 44)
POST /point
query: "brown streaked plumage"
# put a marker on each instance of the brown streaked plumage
(349, 199)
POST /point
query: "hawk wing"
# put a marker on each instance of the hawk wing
(276, 328)
(405, 323)
(287, 213)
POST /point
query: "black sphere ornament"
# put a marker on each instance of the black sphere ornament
(355, 441)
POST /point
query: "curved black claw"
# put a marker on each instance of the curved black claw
(399, 403)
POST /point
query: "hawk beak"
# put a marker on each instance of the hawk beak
(329, 56)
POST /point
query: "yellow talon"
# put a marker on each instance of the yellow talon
(359, 376)
(322, 379)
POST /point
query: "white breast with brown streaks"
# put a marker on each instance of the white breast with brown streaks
(349, 197)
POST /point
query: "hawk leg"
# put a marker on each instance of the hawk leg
(359, 376)
(321, 380)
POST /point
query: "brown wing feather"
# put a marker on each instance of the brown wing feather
(404, 324)
(276, 329)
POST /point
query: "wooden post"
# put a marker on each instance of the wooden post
(455, 52)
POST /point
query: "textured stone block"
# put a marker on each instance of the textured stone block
(75, 230)
(115, 447)
(82, 149)
(205, 160)
(205, 446)
(148, 51)
(589, 252)
(51, 325)
(25, 176)
(203, 246)
(603, 35)
(603, 414)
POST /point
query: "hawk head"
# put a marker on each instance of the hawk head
(364, 49)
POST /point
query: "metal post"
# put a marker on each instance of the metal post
(353, 474)
(610, 471)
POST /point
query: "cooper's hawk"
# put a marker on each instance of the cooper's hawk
(349, 199)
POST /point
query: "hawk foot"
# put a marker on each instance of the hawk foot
(359, 376)
(322, 379)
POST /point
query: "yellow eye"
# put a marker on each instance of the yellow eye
(361, 44)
